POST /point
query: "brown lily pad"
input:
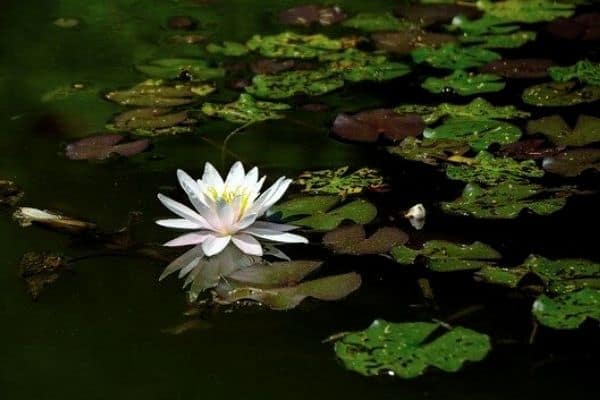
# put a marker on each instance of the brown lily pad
(149, 118)
(10, 193)
(40, 271)
(309, 14)
(368, 126)
(572, 162)
(268, 66)
(403, 42)
(431, 14)
(353, 240)
(101, 147)
(527, 149)
(526, 68)
(581, 27)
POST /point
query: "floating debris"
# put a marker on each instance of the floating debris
(40, 271)
(416, 216)
(26, 216)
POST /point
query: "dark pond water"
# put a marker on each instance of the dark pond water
(101, 331)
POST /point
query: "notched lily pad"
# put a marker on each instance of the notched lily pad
(528, 11)
(443, 256)
(101, 147)
(376, 22)
(556, 94)
(10, 193)
(478, 133)
(353, 240)
(408, 349)
(318, 212)
(406, 41)
(520, 68)
(464, 83)
(293, 45)
(340, 182)
(554, 127)
(309, 14)
(40, 271)
(355, 65)
(156, 93)
(428, 151)
(572, 162)
(454, 57)
(568, 311)
(369, 126)
(245, 110)
(187, 68)
(288, 84)
(584, 71)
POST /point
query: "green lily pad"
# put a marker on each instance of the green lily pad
(554, 127)
(171, 68)
(560, 94)
(293, 45)
(478, 133)
(451, 56)
(355, 65)
(155, 93)
(572, 162)
(233, 49)
(443, 256)
(318, 212)
(489, 170)
(353, 240)
(374, 22)
(465, 83)
(339, 182)
(501, 41)
(288, 84)
(584, 71)
(428, 151)
(152, 122)
(568, 311)
(245, 110)
(407, 350)
(505, 201)
(528, 11)
(486, 25)
(479, 108)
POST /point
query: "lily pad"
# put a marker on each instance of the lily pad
(353, 240)
(288, 84)
(428, 151)
(560, 94)
(101, 147)
(526, 68)
(277, 274)
(369, 126)
(318, 212)
(443, 256)
(580, 27)
(293, 45)
(228, 48)
(309, 14)
(528, 149)
(376, 22)
(586, 130)
(572, 162)
(245, 110)
(407, 350)
(454, 57)
(489, 170)
(340, 182)
(465, 83)
(155, 93)
(505, 201)
(568, 311)
(584, 71)
(152, 121)
(355, 65)
(479, 108)
(478, 133)
(404, 42)
(528, 11)
(486, 25)
(188, 68)
(509, 40)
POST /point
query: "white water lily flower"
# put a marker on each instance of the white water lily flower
(227, 211)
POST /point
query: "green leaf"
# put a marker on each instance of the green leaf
(428, 151)
(479, 108)
(407, 350)
(443, 256)
(245, 110)
(171, 68)
(156, 93)
(489, 170)
(454, 57)
(554, 127)
(374, 22)
(288, 84)
(151, 122)
(505, 201)
(528, 11)
(355, 65)
(572, 162)
(486, 25)
(316, 212)
(478, 133)
(501, 41)
(465, 83)
(233, 49)
(339, 182)
(293, 45)
(560, 94)
(352, 239)
(568, 311)
(584, 71)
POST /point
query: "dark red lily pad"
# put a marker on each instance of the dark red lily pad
(353, 240)
(527, 68)
(368, 126)
(527, 149)
(309, 14)
(268, 66)
(572, 162)
(101, 147)
(404, 42)
(581, 27)
(431, 14)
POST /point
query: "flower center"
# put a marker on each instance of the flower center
(228, 196)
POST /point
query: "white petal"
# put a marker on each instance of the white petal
(215, 244)
(188, 239)
(274, 226)
(276, 236)
(247, 244)
(236, 175)
(226, 216)
(283, 187)
(264, 198)
(245, 222)
(211, 177)
(192, 189)
(251, 178)
(179, 223)
(183, 211)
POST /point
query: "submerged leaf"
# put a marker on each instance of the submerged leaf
(404, 42)
(310, 14)
(428, 151)
(407, 350)
(375, 22)
(339, 182)
(584, 71)
(245, 110)
(228, 48)
(528, 11)
(527, 68)
(572, 162)
(478, 133)
(369, 126)
(353, 240)
(464, 83)
(101, 147)
(586, 130)
(560, 94)
(288, 84)
(188, 68)
(155, 93)
(454, 57)
(40, 271)
(293, 45)
(568, 311)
